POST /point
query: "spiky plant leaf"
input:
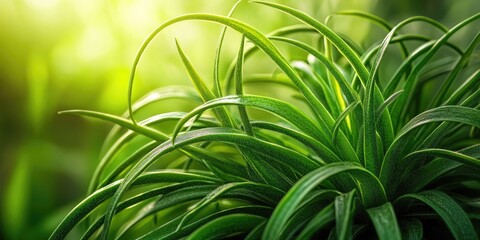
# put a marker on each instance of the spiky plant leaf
(350, 149)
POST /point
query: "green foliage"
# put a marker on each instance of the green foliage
(356, 151)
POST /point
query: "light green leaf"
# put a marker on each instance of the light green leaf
(337, 41)
(202, 88)
(260, 40)
(342, 117)
(280, 108)
(217, 90)
(164, 93)
(239, 89)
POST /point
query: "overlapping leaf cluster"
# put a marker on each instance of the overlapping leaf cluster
(358, 153)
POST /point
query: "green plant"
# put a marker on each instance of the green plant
(360, 151)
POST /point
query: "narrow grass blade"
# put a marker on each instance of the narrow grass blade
(164, 93)
(196, 190)
(239, 89)
(202, 88)
(386, 103)
(135, 128)
(146, 131)
(128, 161)
(320, 88)
(338, 42)
(344, 211)
(123, 140)
(459, 114)
(350, 95)
(446, 85)
(256, 232)
(284, 31)
(222, 167)
(471, 83)
(196, 193)
(401, 105)
(252, 34)
(349, 109)
(217, 89)
(402, 69)
(438, 168)
(312, 204)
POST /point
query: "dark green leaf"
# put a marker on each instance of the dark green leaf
(385, 222)
(452, 214)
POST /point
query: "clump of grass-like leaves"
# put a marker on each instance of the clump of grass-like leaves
(361, 151)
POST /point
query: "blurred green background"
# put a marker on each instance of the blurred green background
(65, 54)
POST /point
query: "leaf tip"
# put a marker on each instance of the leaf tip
(63, 112)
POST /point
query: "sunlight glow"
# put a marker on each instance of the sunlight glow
(42, 4)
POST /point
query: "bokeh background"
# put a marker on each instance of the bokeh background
(65, 54)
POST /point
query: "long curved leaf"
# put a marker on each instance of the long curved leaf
(202, 89)
(164, 93)
(437, 168)
(96, 198)
(302, 163)
(444, 153)
(452, 214)
(401, 105)
(299, 191)
(226, 225)
(186, 191)
(217, 90)
(284, 31)
(339, 43)
(222, 190)
(460, 114)
(321, 150)
(322, 218)
(282, 109)
(251, 33)
(135, 128)
(167, 231)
